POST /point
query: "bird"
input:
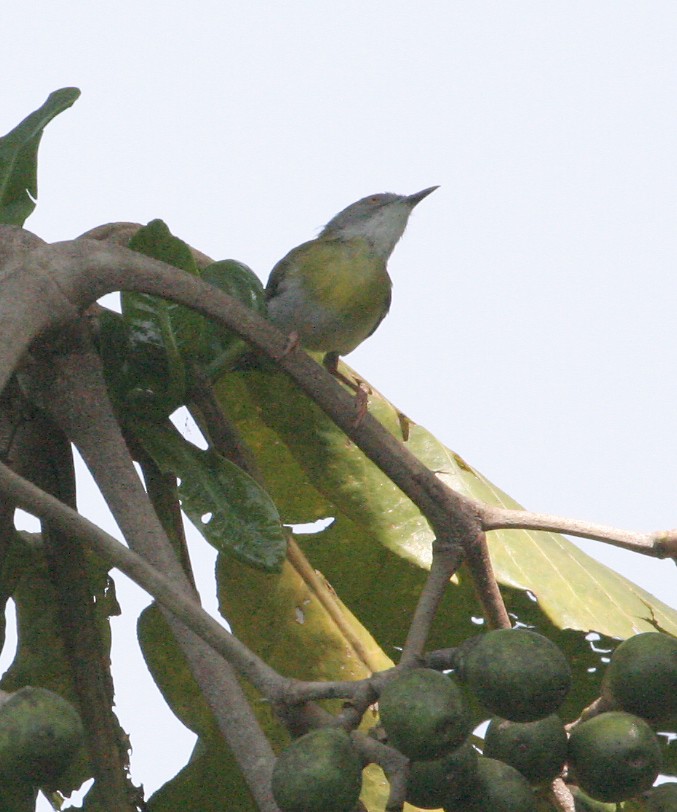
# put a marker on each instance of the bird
(331, 293)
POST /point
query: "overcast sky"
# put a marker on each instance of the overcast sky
(533, 322)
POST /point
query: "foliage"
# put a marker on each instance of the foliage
(339, 605)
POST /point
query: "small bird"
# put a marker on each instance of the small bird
(331, 293)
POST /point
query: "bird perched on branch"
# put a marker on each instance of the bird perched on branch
(331, 293)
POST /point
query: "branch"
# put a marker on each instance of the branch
(446, 560)
(69, 522)
(658, 544)
(65, 378)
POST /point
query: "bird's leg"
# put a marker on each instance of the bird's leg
(362, 391)
(330, 363)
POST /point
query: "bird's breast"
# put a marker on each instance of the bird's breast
(333, 294)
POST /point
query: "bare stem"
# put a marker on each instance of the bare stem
(659, 544)
(486, 586)
(446, 560)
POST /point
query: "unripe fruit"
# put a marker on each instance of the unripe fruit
(515, 673)
(424, 714)
(497, 788)
(40, 732)
(614, 756)
(432, 783)
(642, 677)
(537, 749)
(319, 772)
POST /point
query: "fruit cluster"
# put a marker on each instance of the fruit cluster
(521, 678)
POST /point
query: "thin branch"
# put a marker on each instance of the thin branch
(394, 765)
(446, 560)
(69, 522)
(562, 797)
(659, 544)
(486, 586)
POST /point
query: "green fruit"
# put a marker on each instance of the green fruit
(642, 677)
(515, 673)
(431, 783)
(320, 772)
(424, 714)
(40, 732)
(537, 749)
(662, 798)
(614, 756)
(497, 787)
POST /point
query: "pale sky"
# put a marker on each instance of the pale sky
(533, 322)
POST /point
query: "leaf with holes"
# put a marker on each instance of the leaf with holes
(233, 513)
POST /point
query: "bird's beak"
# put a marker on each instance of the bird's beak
(417, 197)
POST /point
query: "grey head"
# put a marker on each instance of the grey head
(379, 219)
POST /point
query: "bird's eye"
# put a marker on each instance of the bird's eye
(374, 199)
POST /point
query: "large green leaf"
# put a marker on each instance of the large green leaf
(19, 155)
(234, 514)
(571, 589)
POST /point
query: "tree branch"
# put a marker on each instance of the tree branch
(66, 379)
(69, 522)
(658, 544)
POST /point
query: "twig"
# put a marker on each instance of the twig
(561, 795)
(659, 544)
(486, 586)
(446, 560)
(391, 761)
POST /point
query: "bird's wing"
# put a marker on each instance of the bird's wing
(384, 313)
(275, 284)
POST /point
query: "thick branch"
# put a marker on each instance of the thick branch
(68, 382)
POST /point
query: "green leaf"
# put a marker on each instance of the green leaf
(218, 347)
(142, 380)
(570, 588)
(19, 154)
(233, 513)
(210, 782)
(159, 330)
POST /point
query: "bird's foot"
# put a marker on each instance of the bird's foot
(293, 343)
(362, 393)
(330, 363)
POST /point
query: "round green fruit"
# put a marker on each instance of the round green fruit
(614, 756)
(424, 714)
(432, 783)
(537, 749)
(642, 677)
(497, 787)
(319, 772)
(40, 732)
(515, 673)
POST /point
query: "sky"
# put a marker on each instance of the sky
(533, 321)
